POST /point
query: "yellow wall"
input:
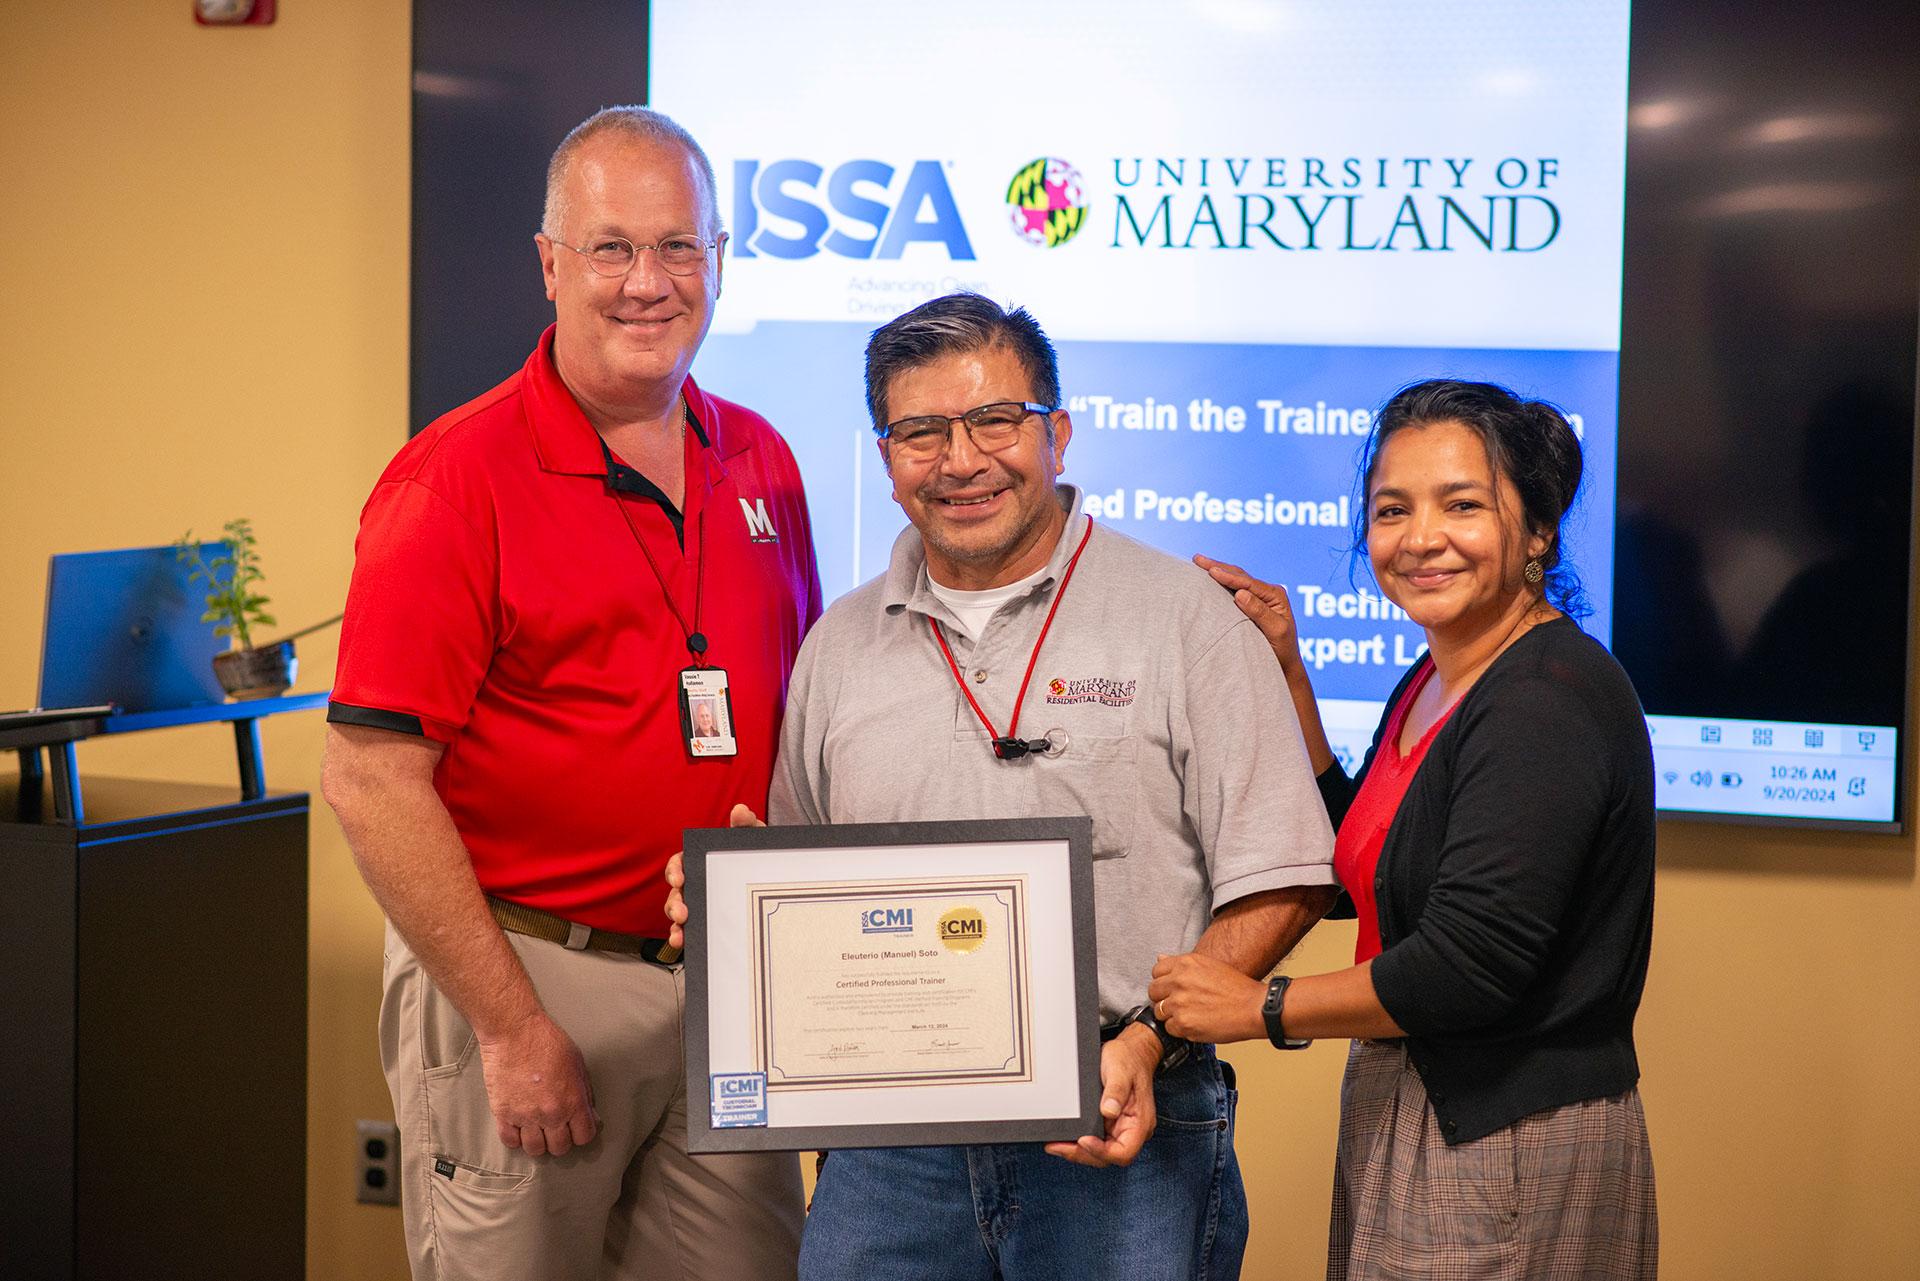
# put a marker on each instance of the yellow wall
(203, 246)
(203, 279)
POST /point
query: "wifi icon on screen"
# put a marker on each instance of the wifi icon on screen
(1672, 777)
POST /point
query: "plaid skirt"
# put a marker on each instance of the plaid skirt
(1564, 1193)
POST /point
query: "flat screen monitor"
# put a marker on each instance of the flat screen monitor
(1763, 542)
(1242, 229)
(1244, 226)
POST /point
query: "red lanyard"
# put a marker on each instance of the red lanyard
(1009, 747)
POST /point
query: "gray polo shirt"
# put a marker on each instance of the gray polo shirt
(1181, 741)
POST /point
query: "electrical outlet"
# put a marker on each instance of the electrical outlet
(377, 1163)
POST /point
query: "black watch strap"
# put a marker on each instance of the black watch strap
(1173, 1050)
(1270, 1012)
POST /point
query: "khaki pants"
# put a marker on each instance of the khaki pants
(630, 1204)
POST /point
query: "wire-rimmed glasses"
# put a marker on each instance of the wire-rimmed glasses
(615, 255)
(991, 428)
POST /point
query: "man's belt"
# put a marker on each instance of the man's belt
(534, 923)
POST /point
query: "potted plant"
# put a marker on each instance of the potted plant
(232, 579)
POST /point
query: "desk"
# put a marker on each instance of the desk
(153, 948)
(60, 737)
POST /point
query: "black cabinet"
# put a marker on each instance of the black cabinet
(153, 1032)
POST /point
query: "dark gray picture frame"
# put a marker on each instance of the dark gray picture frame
(1077, 833)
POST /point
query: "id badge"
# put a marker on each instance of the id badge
(706, 712)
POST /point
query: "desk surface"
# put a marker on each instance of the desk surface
(246, 709)
(45, 729)
(132, 804)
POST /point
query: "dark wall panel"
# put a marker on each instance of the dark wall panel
(497, 84)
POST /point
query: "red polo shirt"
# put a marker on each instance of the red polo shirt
(501, 605)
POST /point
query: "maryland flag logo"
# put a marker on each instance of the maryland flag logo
(1047, 201)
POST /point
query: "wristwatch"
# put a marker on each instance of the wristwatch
(1174, 1050)
(1270, 1012)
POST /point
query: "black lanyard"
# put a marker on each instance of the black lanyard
(695, 638)
(1010, 747)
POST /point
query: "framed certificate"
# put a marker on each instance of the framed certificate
(891, 984)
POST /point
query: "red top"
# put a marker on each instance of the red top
(1356, 849)
(501, 605)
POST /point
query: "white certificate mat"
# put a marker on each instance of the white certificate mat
(891, 984)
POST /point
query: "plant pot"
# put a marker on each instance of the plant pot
(256, 673)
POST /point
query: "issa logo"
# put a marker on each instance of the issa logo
(887, 920)
(798, 200)
(1047, 201)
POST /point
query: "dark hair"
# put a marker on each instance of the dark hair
(952, 324)
(1529, 442)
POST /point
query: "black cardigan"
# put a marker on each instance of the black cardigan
(1515, 888)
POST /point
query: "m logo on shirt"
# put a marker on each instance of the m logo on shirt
(759, 524)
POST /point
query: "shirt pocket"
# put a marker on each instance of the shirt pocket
(1094, 776)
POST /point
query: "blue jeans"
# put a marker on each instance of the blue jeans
(1012, 1212)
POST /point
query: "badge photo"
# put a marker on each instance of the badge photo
(706, 712)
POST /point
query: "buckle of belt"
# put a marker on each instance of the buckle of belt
(534, 923)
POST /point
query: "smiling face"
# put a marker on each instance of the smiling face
(1445, 535)
(986, 519)
(624, 344)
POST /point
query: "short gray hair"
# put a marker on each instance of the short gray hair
(638, 123)
(950, 325)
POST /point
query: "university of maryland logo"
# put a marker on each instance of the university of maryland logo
(1093, 689)
(1047, 201)
(759, 524)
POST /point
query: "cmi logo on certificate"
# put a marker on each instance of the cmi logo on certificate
(738, 1098)
(963, 929)
(706, 712)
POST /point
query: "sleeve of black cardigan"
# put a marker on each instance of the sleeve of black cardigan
(1336, 793)
(1531, 782)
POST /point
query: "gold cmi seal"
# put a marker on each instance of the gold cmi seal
(962, 929)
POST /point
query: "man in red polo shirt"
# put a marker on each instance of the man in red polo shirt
(549, 581)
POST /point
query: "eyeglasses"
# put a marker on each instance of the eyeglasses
(615, 255)
(991, 428)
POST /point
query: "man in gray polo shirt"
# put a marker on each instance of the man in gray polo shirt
(1153, 705)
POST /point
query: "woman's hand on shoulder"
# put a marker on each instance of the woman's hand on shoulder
(1266, 604)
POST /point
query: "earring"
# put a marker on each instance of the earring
(1534, 571)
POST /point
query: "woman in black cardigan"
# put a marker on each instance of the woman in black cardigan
(1498, 848)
